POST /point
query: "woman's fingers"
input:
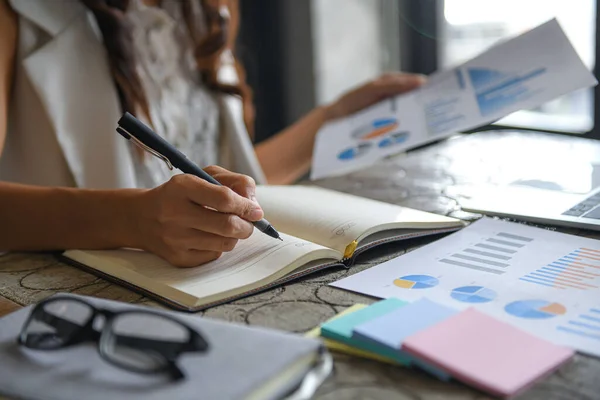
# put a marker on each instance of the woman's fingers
(189, 221)
(191, 247)
(210, 221)
(220, 198)
(192, 239)
(191, 258)
(243, 185)
(393, 84)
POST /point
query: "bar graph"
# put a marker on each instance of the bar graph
(492, 254)
(539, 280)
(586, 325)
(579, 269)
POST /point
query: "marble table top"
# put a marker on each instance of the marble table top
(428, 179)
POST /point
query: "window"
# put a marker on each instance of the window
(300, 54)
(468, 27)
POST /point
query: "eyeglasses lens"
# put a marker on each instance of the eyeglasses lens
(143, 341)
(55, 323)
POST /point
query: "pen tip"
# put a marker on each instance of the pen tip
(273, 233)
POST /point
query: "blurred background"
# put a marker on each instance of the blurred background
(299, 54)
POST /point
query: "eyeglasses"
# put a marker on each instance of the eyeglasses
(136, 340)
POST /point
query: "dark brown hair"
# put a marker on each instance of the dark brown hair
(222, 23)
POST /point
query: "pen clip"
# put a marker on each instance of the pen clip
(139, 143)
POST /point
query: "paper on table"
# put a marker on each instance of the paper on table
(487, 353)
(521, 73)
(545, 282)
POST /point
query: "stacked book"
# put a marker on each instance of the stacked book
(467, 345)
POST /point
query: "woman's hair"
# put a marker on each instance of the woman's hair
(221, 28)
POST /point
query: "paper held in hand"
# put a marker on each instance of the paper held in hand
(525, 72)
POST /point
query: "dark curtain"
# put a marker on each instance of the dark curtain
(259, 48)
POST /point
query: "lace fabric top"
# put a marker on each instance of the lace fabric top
(182, 110)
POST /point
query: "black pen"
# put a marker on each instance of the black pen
(131, 128)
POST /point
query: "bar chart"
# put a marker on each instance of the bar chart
(579, 269)
(492, 254)
(542, 281)
(586, 325)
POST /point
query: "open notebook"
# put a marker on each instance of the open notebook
(320, 229)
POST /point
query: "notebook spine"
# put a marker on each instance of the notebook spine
(350, 261)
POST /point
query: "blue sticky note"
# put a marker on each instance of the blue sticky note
(391, 329)
(340, 329)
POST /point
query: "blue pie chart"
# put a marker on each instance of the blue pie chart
(416, 282)
(379, 127)
(394, 138)
(473, 294)
(354, 151)
(535, 309)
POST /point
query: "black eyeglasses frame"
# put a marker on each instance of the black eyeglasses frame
(86, 333)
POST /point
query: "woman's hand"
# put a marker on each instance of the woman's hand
(188, 221)
(372, 92)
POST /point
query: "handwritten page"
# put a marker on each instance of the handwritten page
(334, 219)
(521, 73)
(253, 260)
(544, 282)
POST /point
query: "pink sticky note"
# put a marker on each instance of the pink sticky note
(487, 353)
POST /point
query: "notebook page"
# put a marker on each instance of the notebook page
(253, 260)
(334, 219)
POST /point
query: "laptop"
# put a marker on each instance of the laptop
(551, 207)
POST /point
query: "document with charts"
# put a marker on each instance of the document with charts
(545, 282)
(525, 72)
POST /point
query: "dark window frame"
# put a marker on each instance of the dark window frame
(275, 47)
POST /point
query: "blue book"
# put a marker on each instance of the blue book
(340, 329)
(391, 329)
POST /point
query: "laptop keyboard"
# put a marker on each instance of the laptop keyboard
(586, 208)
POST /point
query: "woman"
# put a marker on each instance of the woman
(69, 69)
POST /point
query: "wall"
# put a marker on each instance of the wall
(354, 41)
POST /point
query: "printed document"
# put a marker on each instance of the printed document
(544, 282)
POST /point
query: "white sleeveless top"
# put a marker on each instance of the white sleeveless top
(182, 110)
(64, 105)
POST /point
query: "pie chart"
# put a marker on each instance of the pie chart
(473, 294)
(354, 151)
(535, 309)
(393, 139)
(378, 127)
(416, 282)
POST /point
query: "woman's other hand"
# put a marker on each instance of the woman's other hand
(188, 221)
(372, 92)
